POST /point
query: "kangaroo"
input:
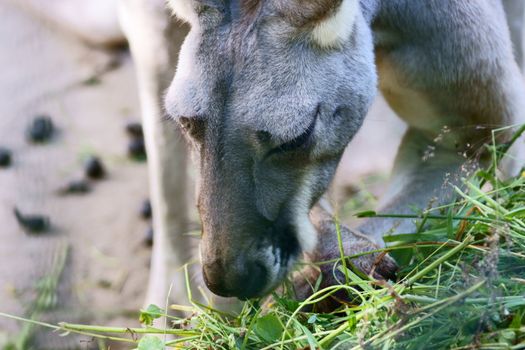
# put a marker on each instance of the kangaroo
(270, 93)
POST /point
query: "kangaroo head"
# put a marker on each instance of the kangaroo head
(270, 93)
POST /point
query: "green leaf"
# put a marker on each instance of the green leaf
(289, 304)
(150, 342)
(357, 277)
(450, 223)
(366, 214)
(517, 320)
(151, 313)
(439, 234)
(516, 213)
(485, 175)
(309, 337)
(269, 328)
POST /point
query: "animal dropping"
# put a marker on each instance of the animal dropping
(136, 145)
(33, 223)
(41, 130)
(148, 239)
(134, 129)
(137, 149)
(145, 210)
(94, 169)
(5, 158)
(76, 187)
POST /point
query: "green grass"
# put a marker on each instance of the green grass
(461, 285)
(46, 299)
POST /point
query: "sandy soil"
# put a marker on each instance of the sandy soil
(108, 263)
(106, 272)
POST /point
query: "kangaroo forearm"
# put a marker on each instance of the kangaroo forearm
(425, 175)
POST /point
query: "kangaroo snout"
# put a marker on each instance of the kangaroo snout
(242, 280)
(247, 259)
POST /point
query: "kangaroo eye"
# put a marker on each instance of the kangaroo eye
(193, 127)
(301, 141)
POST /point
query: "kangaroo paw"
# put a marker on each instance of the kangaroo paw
(377, 265)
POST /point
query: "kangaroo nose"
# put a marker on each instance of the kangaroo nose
(243, 281)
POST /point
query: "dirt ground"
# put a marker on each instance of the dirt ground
(108, 263)
(104, 279)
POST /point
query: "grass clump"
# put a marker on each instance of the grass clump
(461, 286)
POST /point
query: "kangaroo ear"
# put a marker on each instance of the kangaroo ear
(183, 9)
(330, 22)
(188, 10)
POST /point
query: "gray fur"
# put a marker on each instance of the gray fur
(248, 84)
(515, 10)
